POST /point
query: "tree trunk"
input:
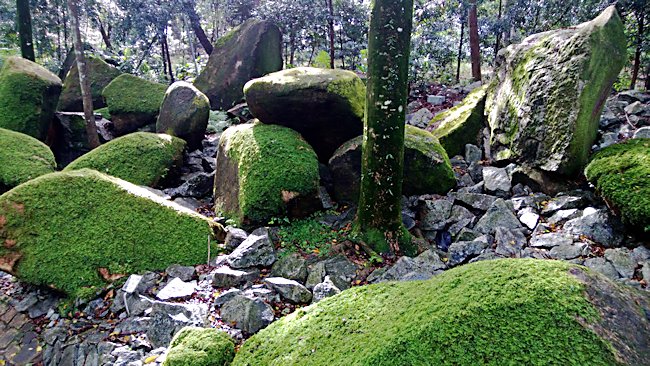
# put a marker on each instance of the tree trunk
(192, 52)
(105, 35)
(460, 48)
(497, 43)
(475, 51)
(330, 30)
(195, 23)
(86, 95)
(379, 218)
(167, 62)
(24, 20)
(637, 54)
(342, 46)
(647, 76)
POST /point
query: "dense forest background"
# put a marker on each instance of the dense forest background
(171, 40)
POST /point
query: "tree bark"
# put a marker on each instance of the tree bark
(195, 23)
(647, 76)
(167, 62)
(475, 51)
(497, 43)
(24, 20)
(86, 95)
(460, 48)
(379, 219)
(106, 37)
(637, 54)
(330, 30)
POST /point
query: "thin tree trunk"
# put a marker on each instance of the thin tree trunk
(342, 53)
(24, 20)
(311, 54)
(637, 54)
(86, 95)
(330, 30)
(475, 51)
(379, 217)
(647, 77)
(105, 35)
(145, 54)
(497, 43)
(192, 52)
(460, 48)
(195, 23)
(292, 48)
(167, 63)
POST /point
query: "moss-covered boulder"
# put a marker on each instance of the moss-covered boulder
(100, 74)
(427, 169)
(78, 229)
(325, 106)
(184, 113)
(200, 347)
(462, 124)
(551, 89)
(133, 102)
(141, 158)
(22, 158)
(28, 97)
(502, 312)
(265, 171)
(621, 174)
(249, 51)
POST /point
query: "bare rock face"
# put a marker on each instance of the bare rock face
(550, 91)
(251, 50)
(184, 113)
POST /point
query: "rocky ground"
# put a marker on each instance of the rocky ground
(491, 214)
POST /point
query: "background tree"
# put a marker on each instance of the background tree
(24, 20)
(379, 216)
(475, 50)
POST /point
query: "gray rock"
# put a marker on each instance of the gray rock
(234, 238)
(127, 357)
(496, 181)
(227, 296)
(533, 201)
(568, 251)
(133, 325)
(184, 113)
(563, 203)
(198, 185)
(290, 290)
(475, 171)
(550, 240)
(645, 272)
(185, 273)
(459, 219)
(467, 235)
(262, 292)
(169, 318)
(436, 99)
(597, 225)
(600, 264)
(476, 200)
(641, 254)
(293, 267)
(499, 214)
(256, 250)
(324, 289)
(509, 242)
(562, 216)
(176, 289)
(472, 153)
(246, 314)
(631, 96)
(529, 218)
(434, 214)
(463, 251)
(622, 260)
(422, 267)
(634, 108)
(642, 133)
(341, 271)
(421, 118)
(228, 277)
(188, 202)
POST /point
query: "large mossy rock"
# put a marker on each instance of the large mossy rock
(28, 97)
(621, 174)
(100, 74)
(22, 158)
(265, 171)
(551, 89)
(462, 124)
(141, 158)
(249, 51)
(501, 312)
(184, 113)
(78, 229)
(325, 106)
(133, 102)
(200, 347)
(427, 169)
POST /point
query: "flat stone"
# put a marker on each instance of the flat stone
(509, 242)
(562, 203)
(461, 252)
(562, 216)
(185, 273)
(290, 290)
(622, 260)
(324, 289)
(434, 214)
(476, 200)
(176, 289)
(529, 219)
(601, 265)
(228, 277)
(499, 214)
(550, 240)
(597, 225)
(226, 296)
(256, 250)
(568, 251)
(422, 267)
(496, 181)
(246, 314)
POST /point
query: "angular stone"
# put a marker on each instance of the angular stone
(596, 225)
(473, 153)
(496, 181)
(622, 260)
(290, 290)
(234, 237)
(176, 289)
(499, 214)
(476, 200)
(550, 240)
(100, 74)
(562, 216)
(422, 267)
(249, 315)
(509, 242)
(463, 251)
(324, 289)
(600, 264)
(568, 251)
(256, 250)
(293, 267)
(434, 214)
(185, 273)
(227, 277)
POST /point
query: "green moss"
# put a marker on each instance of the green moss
(100, 74)
(502, 312)
(200, 347)
(461, 124)
(427, 168)
(104, 113)
(22, 158)
(271, 160)
(350, 87)
(141, 158)
(28, 97)
(621, 174)
(128, 94)
(64, 227)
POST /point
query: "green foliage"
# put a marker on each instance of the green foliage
(67, 226)
(501, 312)
(322, 60)
(200, 347)
(131, 94)
(22, 158)
(309, 236)
(621, 174)
(141, 158)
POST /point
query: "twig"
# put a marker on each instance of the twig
(208, 263)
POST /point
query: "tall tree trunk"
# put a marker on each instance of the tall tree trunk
(379, 218)
(105, 35)
(24, 20)
(460, 47)
(292, 48)
(647, 76)
(497, 43)
(167, 62)
(330, 30)
(195, 22)
(86, 95)
(637, 54)
(342, 45)
(474, 47)
(192, 51)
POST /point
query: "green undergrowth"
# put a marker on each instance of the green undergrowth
(501, 312)
(141, 158)
(130, 94)
(200, 347)
(22, 158)
(309, 236)
(63, 228)
(621, 174)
